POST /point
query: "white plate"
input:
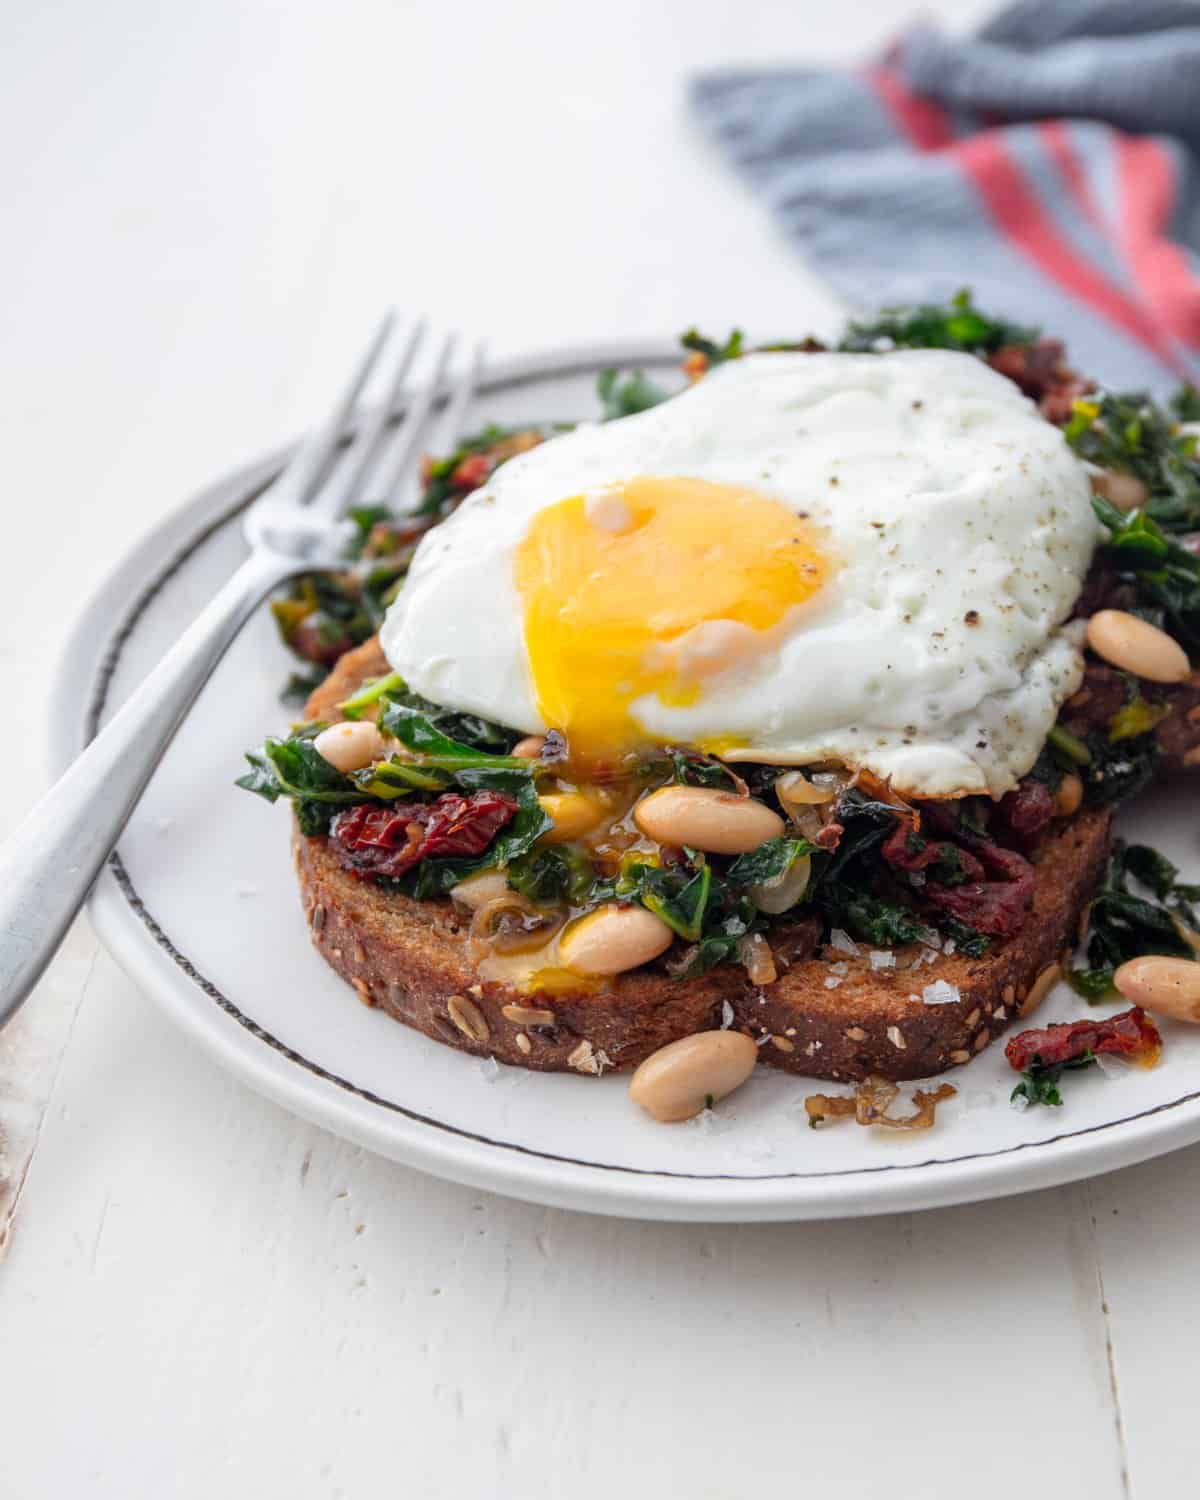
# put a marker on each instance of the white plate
(201, 909)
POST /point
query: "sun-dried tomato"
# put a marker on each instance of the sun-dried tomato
(1023, 815)
(472, 471)
(909, 850)
(984, 886)
(1131, 1034)
(1042, 373)
(996, 907)
(320, 639)
(388, 841)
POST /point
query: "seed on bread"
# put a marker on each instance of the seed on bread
(585, 1059)
(525, 1015)
(1040, 988)
(469, 1019)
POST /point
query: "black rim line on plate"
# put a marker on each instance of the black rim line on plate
(104, 676)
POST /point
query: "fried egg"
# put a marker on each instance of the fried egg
(861, 559)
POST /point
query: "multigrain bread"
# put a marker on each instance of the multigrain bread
(833, 1016)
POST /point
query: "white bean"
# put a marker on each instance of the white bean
(705, 818)
(680, 1079)
(612, 940)
(1167, 986)
(1136, 646)
(350, 746)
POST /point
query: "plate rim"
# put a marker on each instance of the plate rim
(127, 926)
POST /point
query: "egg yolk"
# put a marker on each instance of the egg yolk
(653, 586)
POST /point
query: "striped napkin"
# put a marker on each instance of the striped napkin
(1047, 162)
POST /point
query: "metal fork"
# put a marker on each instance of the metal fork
(49, 864)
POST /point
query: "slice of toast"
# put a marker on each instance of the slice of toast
(837, 1016)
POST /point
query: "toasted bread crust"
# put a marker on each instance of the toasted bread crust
(833, 1017)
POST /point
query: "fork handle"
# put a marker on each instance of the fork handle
(49, 864)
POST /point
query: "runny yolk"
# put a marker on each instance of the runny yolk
(653, 586)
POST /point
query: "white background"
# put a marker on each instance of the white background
(205, 207)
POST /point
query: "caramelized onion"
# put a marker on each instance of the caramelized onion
(510, 924)
(870, 1102)
(807, 803)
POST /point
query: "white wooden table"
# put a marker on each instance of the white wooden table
(205, 207)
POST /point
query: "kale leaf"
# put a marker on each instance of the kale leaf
(868, 917)
(1118, 769)
(955, 325)
(1131, 434)
(1039, 1083)
(628, 395)
(679, 896)
(770, 861)
(300, 686)
(1185, 404)
(370, 693)
(714, 353)
(1166, 574)
(466, 730)
(966, 939)
(294, 767)
(1127, 925)
(553, 875)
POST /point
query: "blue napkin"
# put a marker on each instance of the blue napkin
(1047, 162)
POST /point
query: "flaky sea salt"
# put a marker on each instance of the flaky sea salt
(843, 942)
(940, 993)
(882, 959)
(726, 1015)
(832, 982)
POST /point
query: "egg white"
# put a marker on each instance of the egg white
(935, 655)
